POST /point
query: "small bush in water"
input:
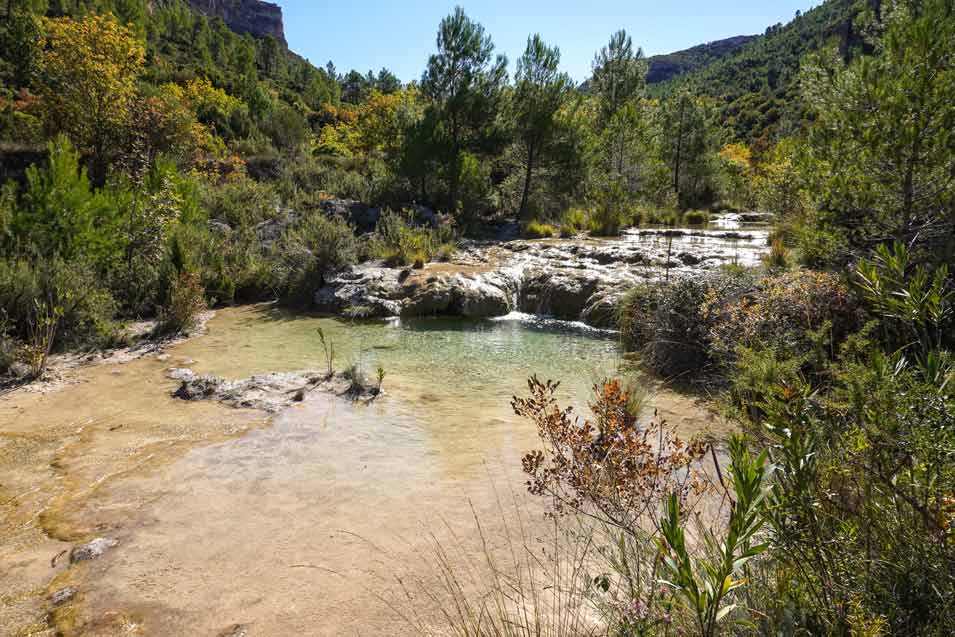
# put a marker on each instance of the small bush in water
(538, 230)
(186, 302)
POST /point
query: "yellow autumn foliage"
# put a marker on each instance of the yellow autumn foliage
(89, 68)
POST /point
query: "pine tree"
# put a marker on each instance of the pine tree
(541, 91)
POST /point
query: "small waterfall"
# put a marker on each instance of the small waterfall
(516, 276)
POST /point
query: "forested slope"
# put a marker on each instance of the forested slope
(757, 85)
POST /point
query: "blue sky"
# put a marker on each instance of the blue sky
(370, 34)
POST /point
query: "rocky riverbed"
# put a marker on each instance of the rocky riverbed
(575, 279)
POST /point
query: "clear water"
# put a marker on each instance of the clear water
(302, 527)
(448, 369)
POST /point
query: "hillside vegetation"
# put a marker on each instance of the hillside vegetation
(757, 85)
(157, 163)
(665, 67)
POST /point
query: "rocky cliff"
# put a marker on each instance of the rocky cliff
(257, 18)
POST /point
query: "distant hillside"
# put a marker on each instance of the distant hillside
(757, 84)
(238, 45)
(666, 67)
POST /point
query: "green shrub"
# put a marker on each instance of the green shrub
(286, 127)
(575, 221)
(538, 230)
(398, 242)
(8, 346)
(19, 286)
(606, 222)
(873, 529)
(696, 217)
(612, 209)
(186, 302)
(240, 203)
(915, 304)
(705, 582)
(474, 189)
(19, 127)
(658, 217)
(61, 216)
(230, 266)
(667, 324)
(307, 253)
(87, 308)
(819, 246)
(779, 256)
(756, 372)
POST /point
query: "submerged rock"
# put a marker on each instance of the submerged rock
(92, 550)
(689, 259)
(266, 392)
(63, 596)
(198, 387)
(236, 630)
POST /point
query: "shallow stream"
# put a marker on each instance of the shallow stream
(301, 526)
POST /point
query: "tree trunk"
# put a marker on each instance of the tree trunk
(527, 180)
(679, 153)
(455, 156)
(908, 193)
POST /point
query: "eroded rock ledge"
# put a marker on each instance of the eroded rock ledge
(567, 279)
(268, 392)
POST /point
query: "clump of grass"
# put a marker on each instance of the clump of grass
(779, 257)
(418, 259)
(445, 252)
(8, 352)
(575, 221)
(512, 582)
(609, 222)
(696, 217)
(658, 217)
(538, 230)
(356, 375)
(399, 242)
(783, 231)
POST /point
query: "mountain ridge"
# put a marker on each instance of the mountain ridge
(667, 66)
